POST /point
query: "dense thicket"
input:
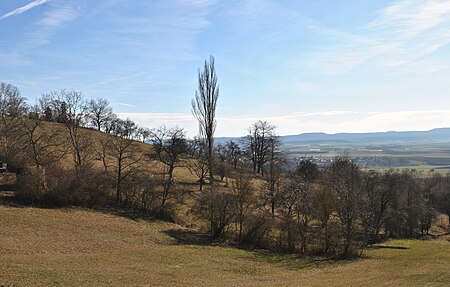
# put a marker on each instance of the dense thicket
(67, 150)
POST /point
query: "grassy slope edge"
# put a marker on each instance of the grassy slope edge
(77, 247)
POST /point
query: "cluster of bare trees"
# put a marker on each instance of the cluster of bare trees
(261, 145)
(60, 159)
(245, 190)
(12, 108)
(70, 107)
(339, 209)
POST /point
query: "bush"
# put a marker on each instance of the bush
(55, 186)
(29, 187)
(257, 231)
(218, 209)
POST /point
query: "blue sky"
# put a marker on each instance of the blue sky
(305, 66)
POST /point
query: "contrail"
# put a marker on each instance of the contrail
(23, 9)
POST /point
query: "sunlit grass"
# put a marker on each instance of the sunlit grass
(77, 247)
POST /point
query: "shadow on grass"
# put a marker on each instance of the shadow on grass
(292, 261)
(374, 247)
(298, 261)
(8, 198)
(189, 237)
(188, 183)
(126, 212)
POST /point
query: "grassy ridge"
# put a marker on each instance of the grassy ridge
(76, 247)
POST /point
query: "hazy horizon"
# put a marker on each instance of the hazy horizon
(337, 133)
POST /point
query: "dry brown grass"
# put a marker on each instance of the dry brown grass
(75, 247)
(78, 247)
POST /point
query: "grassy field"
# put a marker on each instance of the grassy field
(76, 247)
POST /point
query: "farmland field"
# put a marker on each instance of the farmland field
(422, 157)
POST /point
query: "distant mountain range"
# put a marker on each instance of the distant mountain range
(439, 135)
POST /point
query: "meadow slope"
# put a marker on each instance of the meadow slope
(77, 247)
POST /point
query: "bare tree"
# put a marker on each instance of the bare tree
(378, 190)
(306, 173)
(406, 206)
(442, 199)
(198, 164)
(428, 211)
(218, 209)
(102, 150)
(273, 192)
(233, 152)
(345, 185)
(111, 124)
(12, 107)
(291, 196)
(243, 190)
(169, 145)
(258, 142)
(298, 201)
(12, 104)
(46, 145)
(143, 133)
(125, 153)
(324, 205)
(98, 113)
(413, 203)
(70, 109)
(204, 108)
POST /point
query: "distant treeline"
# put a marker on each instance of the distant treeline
(243, 191)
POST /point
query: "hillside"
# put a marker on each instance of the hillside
(439, 135)
(112, 244)
(77, 247)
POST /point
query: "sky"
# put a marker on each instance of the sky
(302, 65)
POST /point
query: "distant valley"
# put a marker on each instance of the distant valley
(422, 150)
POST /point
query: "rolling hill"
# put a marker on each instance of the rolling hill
(439, 135)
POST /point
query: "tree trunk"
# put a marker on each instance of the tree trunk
(119, 180)
(201, 184)
(166, 190)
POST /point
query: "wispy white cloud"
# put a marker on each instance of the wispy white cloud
(175, 24)
(42, 30)
(61, 14)
(146, 46)
(126, 105)
(401, 34)
(13, 58)
(116, 79)
(407, 19)
(24, 8)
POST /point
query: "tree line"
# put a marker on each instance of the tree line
(70, 151)
(338, 209)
